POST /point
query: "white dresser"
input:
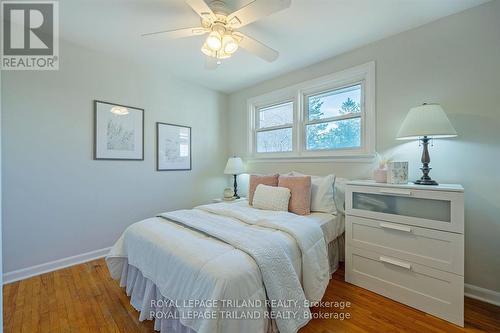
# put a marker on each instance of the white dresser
(406, 242)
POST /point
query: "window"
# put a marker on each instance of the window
(334, 119)
(332, 116)
(274, 128)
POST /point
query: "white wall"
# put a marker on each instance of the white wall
(454, 61)
(58, 201)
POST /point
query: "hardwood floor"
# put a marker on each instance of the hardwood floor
(84, 298)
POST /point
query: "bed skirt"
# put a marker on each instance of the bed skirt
(146, 298)
(336, 253)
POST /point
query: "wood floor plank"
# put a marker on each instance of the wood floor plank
(10, 297)
(83, 307)
(62, 312)
(43, 305)
(35, 306)
(28, 299)
(51, 302)
(84, 298)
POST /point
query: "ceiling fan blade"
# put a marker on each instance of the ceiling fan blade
(256, 47)
(211, 63)
(201, 8)
(178, 33)
(255, 10)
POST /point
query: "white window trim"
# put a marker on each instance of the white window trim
(364, 74)
(271, 128)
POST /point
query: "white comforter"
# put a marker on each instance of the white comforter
(187, 265)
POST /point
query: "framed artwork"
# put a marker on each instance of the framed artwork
(118, 132)
(173, 147)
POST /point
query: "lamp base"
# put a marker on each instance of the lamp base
(236, 196)
(426, 182)
(425, 179)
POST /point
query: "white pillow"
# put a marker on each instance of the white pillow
(271, 197)
(322, 193)
(339, 194)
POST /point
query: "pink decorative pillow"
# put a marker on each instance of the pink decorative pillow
(300, 188)
(255, 180)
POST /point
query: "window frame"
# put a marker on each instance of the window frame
(306, 122)
(362, 74)
(258, 129)
(265, 101)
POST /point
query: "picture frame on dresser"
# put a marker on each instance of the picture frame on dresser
(173, 147)
(118, 132)
(406, 242)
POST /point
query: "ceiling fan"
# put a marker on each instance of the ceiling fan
(223, 39)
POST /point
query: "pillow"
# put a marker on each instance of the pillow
(322, 193)
(300, 189)
(270, 180)
(271, 198)
(339, 194)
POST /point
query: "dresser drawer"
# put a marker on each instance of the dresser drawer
(440, 210)
(430, 290)
(438, 249)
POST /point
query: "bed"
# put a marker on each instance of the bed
(203, 270)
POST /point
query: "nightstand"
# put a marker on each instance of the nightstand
(406, 242)
(217, 200)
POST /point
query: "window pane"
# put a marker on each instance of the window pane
(281, 114)
(334, 103)
(335, 134)
(279, 140)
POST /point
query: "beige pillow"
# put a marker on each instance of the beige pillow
(300, 189)
(271, 198)
(322, 193)
(255, 180)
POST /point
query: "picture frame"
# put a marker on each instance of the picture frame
(118, 132)
(173, 147)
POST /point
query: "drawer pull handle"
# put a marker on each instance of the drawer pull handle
(395, 227)
(396, 192)
(395, 262)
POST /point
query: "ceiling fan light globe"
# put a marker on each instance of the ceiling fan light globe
(214, 41)
(229, 44)
(207, 51)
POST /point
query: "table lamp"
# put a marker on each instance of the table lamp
(426, 122)
(234, 167)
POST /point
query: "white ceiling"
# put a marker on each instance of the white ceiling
(307, 32)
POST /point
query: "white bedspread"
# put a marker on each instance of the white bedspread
(308, 237)
(187, 265)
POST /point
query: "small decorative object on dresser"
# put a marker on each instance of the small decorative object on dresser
(118, 132)
(426, 122)
(397, 172)
(228, 194)
(173, 147)
(234, 167)
(406, 242)
(380, 174)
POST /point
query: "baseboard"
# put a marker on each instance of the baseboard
(482, 294)
(28, 272)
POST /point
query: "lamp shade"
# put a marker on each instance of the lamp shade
(234, 166)
(426, 120)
